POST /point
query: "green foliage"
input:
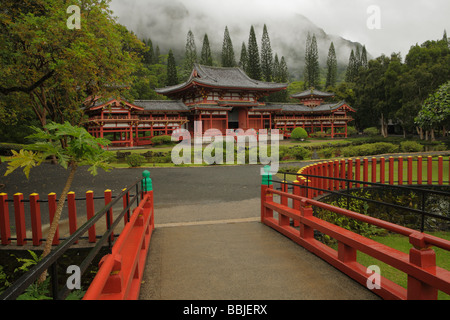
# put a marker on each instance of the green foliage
(205, 56)
(266, 56)
(371, 131)
(228, 59)
(351, 131)
(299, 133)
(253, 62)
(331, 67)
(369, 149)
(72, 146)
(135, 160)
(435, 111)
(311, 70)
(355, 205)
(160, 140)
(410, 146)
(172, 77)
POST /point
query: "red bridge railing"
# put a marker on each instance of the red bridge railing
(424, 277)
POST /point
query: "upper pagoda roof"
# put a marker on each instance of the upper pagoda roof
(224, 78)
(312, 93)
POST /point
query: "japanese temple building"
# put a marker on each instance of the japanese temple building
(221, 98)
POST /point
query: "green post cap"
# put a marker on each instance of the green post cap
(266, 177)
(147, 181)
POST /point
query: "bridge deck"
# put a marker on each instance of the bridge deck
(238, 259)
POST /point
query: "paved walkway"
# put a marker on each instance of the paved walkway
(225, 253)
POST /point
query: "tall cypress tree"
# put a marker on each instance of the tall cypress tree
(243, 62)
(206, 57)
(352, 68)
(228, 59)
(276, 69)
(364, 62)
(331, 67)
(358, 57)
(190, 56)
(311, 76)
(266, 56)
(254, 65)
(149, 55)
(172, 77)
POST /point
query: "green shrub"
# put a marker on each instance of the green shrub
(159, 140)
(411, 146)
(326, 153)
(369, 149)
(300, 153)
(372, 131)
(299, 133)
(351, 131)
(135, 160)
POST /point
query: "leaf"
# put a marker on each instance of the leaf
(23, 159)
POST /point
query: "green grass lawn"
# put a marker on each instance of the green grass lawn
(402, 244)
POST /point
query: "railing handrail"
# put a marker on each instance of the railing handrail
(27, 279)
(436, 241)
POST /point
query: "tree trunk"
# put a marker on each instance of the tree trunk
(56, 218)
(433, 138)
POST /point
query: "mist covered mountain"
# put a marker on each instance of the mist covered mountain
(167, 23)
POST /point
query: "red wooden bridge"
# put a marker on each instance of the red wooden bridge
(248, 261)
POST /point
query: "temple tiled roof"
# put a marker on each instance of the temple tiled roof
(306, 109)
(312, 93)
(161, 105)
(219, 77)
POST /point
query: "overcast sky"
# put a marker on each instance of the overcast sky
(402, 23)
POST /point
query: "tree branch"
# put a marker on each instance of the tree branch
(29, 89)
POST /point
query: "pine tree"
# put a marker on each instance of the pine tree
(243, 63)
(228, 59)
(157, 54)
(149, 55)
(206, 57)
(350, 75)
(358, 57)
(266, 56)
(284, 73)
(331, 67)
(190, 56)
(311, 76)
(254, 66)
(172, 77)
(276, 69)
(364, 62)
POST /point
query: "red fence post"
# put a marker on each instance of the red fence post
(72, 212)
(440, 170)
(358, 171)
(126, 201)
(51, 212)
(90, 211)
(419, 170)
(382, 170)
(400, 170)
(424, 257)
(336, 174)
(391, 170)
(350, 172)
(306, 232)
(374, 169)
(365, 171)
(36, 226)
(282, 219)
(109, 215)
(410, 170)
(342, 174)
(430, 170)
(296, 203)
(19, 215)
(5, 229)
